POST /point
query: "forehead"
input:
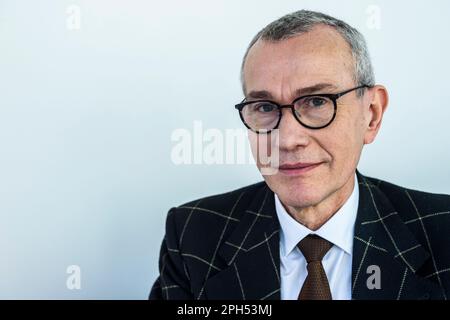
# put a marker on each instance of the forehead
(318, 56)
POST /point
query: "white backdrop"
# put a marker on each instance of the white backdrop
(91, 92)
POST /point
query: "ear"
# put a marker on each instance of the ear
(378, 102)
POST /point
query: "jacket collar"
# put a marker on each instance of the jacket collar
(381, 239)
(384, 244)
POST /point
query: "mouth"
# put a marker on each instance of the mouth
(300, 168)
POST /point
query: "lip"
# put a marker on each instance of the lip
(295, 169)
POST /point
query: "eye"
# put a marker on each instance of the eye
(316, 102)
(265, 107)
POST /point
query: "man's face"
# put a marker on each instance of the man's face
(320, 58)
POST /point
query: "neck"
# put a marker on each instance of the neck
(315, 216)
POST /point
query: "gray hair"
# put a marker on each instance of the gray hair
(302, 21)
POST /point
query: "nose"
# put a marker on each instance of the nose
(292, 134)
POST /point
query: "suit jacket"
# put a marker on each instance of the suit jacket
(227, 246)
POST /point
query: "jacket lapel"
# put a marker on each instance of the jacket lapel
(383, 244)
(251, 254)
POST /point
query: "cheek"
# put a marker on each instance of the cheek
(343, 141)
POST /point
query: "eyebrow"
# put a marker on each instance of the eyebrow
(264, 94)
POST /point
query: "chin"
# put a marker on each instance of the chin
(296, 195)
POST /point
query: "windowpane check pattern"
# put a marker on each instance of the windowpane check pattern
(227, 246)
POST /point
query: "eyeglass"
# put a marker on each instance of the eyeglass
(315, 111)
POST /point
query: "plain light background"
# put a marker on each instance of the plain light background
(86, 118)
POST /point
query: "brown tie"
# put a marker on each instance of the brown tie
(316, 285)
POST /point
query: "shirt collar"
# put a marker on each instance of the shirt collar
(338, 229)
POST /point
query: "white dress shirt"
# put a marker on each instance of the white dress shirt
(339, 230)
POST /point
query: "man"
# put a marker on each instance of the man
(315, 228)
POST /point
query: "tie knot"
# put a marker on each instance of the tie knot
(314, 247)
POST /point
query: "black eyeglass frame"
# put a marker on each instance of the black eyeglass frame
(332, 96)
